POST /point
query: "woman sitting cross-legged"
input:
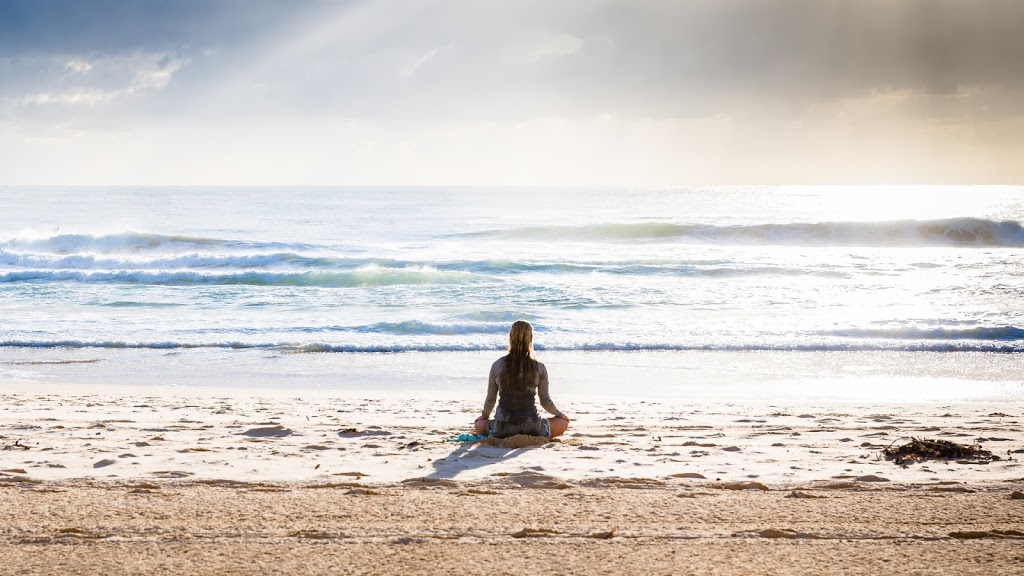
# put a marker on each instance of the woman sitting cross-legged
(515, 380)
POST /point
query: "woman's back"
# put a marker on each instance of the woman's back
(516, 397)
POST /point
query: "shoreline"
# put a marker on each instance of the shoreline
(697, 377)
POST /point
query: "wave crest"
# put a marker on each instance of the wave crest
(959, 346)
(1006, 333)
(946, 232)
(361, 277)
(106, 243)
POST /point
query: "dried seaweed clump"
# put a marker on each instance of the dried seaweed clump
(919, 449)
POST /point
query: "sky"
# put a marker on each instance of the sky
(511, 92)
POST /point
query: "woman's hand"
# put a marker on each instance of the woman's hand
(563, 416)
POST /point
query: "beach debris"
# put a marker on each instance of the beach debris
(333, 485)
(799, 494)
(781, 533)
(226, 483)
(629, 483)
(871, 478)
(477, 492)
(314, 534)
(428, 482)
(976, 534)
(603, 535)
(532, 533)
(268, 432)
(355, 433)
(172, 474)
(362, 492)
(920, 449)
(952, 489)
(357, 475)
(78, 533)
(103, 463)
(693, 475)
(17, 479)
(530, 479)
(16, 446)
(744, 486)
(1015, 495)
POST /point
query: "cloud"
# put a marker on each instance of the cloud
(553, 46)
(85, 83)
(80, 96)
(78, 65)
(521, 60)
(611, 90)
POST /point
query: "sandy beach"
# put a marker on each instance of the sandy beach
(175, 480)
(262, 261)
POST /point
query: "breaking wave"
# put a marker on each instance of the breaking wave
(975, 333)
(108, 243)
(947, 232)
(365, 276)
(961, 346)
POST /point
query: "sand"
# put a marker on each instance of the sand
(151, 481)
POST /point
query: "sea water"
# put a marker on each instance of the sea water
(759, 292)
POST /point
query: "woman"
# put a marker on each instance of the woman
(515, 380)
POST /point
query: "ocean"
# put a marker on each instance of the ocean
(863, 293)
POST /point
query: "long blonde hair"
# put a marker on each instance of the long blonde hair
(520, 363)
